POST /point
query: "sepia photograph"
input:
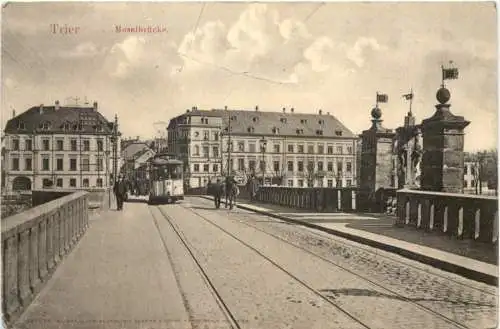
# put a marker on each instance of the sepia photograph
(249, 165)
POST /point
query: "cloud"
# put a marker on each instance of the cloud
(10, 83)
(86, 49)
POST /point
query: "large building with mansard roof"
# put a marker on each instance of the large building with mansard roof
(286, 147)
(60, 147)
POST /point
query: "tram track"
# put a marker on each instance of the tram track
(343, 268)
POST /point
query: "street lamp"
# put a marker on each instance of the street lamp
(263, 145)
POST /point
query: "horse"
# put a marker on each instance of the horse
(231, 195)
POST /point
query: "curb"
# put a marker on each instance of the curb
(438, 263)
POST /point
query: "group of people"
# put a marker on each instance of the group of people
(229, 189)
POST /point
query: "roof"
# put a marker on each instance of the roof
(63, 120)
(287, 124)
(131, 150)
(246, 122)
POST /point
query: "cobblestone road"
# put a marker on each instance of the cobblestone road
(270, 272)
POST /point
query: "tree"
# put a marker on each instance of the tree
(484, 168)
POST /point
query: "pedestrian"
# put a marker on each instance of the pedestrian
(230, 191)
(120, 190)
(253, 187)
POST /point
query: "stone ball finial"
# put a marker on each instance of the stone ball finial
(443, 95)
(376, 113)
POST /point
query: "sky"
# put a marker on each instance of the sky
(309, 56)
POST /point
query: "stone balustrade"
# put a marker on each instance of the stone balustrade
(311, 198)
(460, 215)
(33, 244)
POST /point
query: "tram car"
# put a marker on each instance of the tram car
(166, 180)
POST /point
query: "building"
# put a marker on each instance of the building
(283, 148)
(66, 147)
(135, 156)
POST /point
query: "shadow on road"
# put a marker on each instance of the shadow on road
(131, 200)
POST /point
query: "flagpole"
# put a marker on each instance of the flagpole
(411, 98)
(376, 100)
(442, 76)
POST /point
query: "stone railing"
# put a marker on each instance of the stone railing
(98, 197)
(33, 244)
(461, 215)
(313, 198)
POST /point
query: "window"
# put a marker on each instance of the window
(300, 148)
(241, 164)
(45, 164)
(329, 183)
(349, 150)
(60, 145)
(15, 164)
(283, 120)
(206, 135)
(290, 148)
(196, 134)
(330, 166)
(276, 148)
(206, 167)
(300, 166)
(59, 182)
(251, 164)
(290, 166)
(85, 182)
(215, 151)
(320, 183)
(338, 132)
(59, 164)
(206, 151)
(290, 183)
(339, 167)
(320, 165)
(28, 164)
(310, 166)
(330, 149)
(348, 182)
(216, 136)
(262, 165)
(100, 164)
(276, 131)
(85, 164)
(310, 149)
(241, 146)
(301, 183)
(196, 150)
(348, 167)
(472, 183)
(46, 182)
(466, 168)
(251, 129)
(28, 145)
(276, 166)
(72, 182)
(321, 149)
(319, 132)
(215, 168)
(252, 147)
(15, 144)
(339, 149)
(196, 167)
(72, 164)
(99, 145)
(99, 182)
(45, 145)
(73, 145)
(86, 145)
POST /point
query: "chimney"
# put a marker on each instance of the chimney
(193, 108)
(328, 113)
(137, 138)
(257, 108)
(292, 109)
(187, 111)
(41, 109)
(320, 112)
(284, 109)
(225, 107)
(13, 113)
(95, 106)
(57, 105)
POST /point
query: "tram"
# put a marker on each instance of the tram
(166, 180)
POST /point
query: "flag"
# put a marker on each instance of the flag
(382, 98)
(408, 96)
(450, 74)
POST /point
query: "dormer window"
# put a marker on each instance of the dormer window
(251, 129)
(303, 121)
(283, 120)
(300, 131)
(321, 121)
(276, 131)
(66, 126)
(255, 119)
(338, 132)
(98, 128)
(44, 125)
(21, 125)
(319, 132)
(233, 117)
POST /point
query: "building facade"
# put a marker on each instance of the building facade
(283, 148)
(60, 147)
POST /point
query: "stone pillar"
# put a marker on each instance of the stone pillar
(443, 159)
(376, 162)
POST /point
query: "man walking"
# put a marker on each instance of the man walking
(217, 193)
(120, 190)
(230, 185)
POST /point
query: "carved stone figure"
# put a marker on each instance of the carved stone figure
(416, 157)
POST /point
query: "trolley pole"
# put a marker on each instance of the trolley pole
(115, 150)
(229, 145)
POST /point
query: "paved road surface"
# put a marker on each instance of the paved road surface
(236, 269)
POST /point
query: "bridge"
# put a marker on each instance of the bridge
(294, 258)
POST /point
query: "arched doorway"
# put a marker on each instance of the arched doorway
(21, 183)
